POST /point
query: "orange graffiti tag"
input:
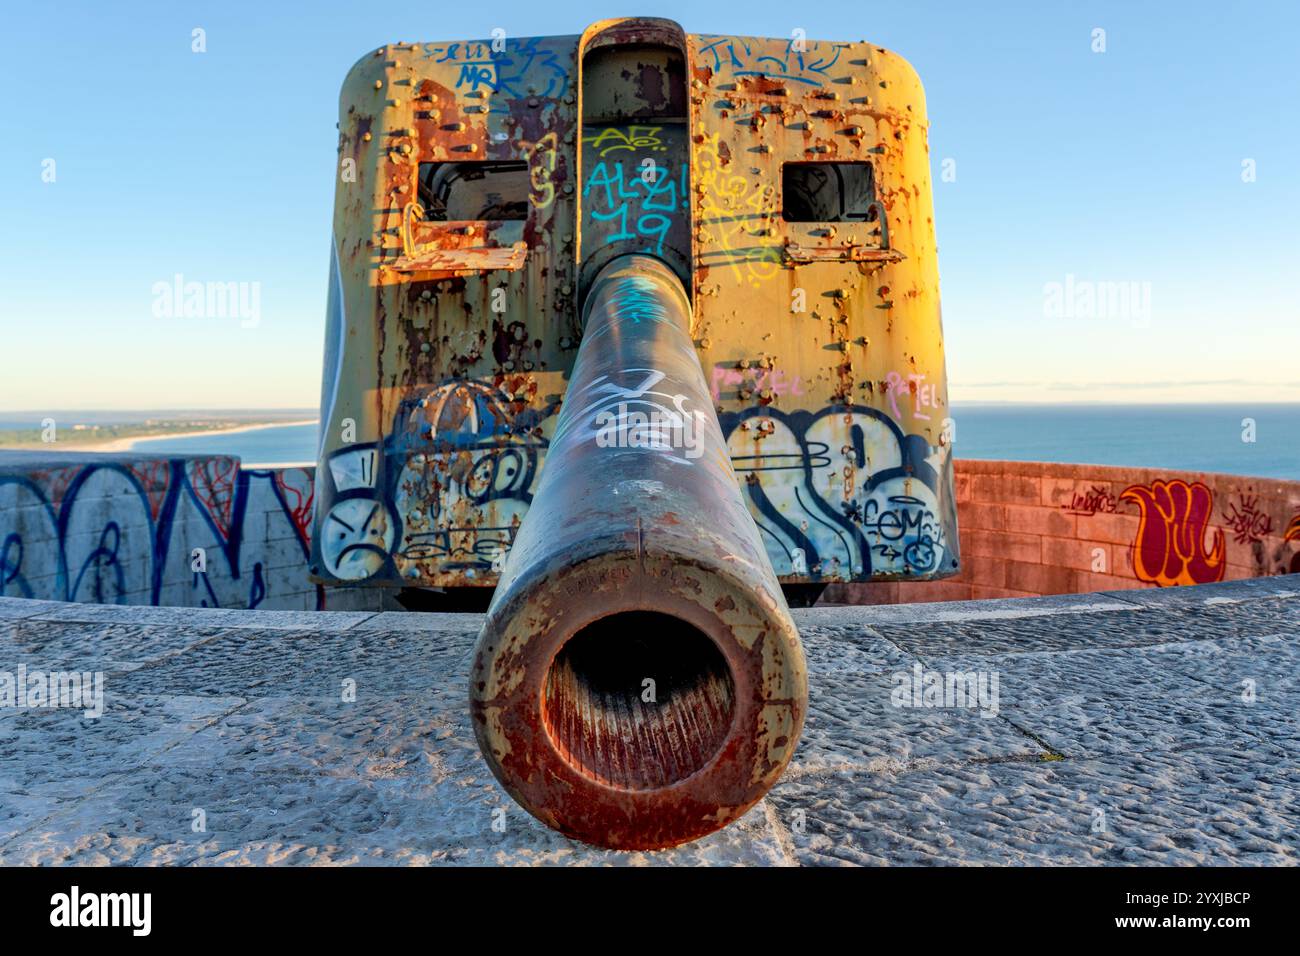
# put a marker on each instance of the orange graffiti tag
(1293, 530)
(1170, 546)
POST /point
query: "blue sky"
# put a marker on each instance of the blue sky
(1123, 166)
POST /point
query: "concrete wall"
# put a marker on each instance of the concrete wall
(122, 529)
(1034, 528)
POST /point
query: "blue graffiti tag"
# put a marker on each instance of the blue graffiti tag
(523, 68)
(642, 209)
(809, 66)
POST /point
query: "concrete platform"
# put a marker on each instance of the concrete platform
(1152, 727)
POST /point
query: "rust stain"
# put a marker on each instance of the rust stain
(788, 192)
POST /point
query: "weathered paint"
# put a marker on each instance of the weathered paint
(121, 529)
(450, 344)
(195, 531)
(620, 728)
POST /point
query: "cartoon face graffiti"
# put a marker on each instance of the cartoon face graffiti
(356, 537)
(465, 469)
(438, 496)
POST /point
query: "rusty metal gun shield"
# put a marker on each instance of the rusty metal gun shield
(481, 187)
(635, 327)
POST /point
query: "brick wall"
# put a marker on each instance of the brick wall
(125, 529)
(1035, 528)
(122, 529)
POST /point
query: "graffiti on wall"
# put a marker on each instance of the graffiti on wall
(744, 379)
(1292, 533)
(516, 69)
(1247, 523)
(1096, 500)
(637, 187)
(1171, 546)
(839, 493)
(179, 531)
(842, 492)
(676, 146)
(807, 63)
(443, 495)
(729, 207)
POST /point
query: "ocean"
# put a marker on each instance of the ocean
(1177, 437)
(1260, 440)
(274, 445)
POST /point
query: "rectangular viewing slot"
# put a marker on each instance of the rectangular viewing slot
(828, 192)
(487, 189)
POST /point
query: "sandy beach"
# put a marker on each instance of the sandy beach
(118, 445)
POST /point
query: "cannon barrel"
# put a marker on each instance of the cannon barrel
(638, 681)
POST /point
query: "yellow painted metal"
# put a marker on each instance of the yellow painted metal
(449, 343)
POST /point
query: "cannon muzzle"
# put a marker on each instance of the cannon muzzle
(639, 681)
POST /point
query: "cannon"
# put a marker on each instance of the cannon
(633, 336)
(639, 681)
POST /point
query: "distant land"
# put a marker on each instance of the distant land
(112, 431)
(1257, 439)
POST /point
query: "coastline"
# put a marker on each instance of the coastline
(119, 445)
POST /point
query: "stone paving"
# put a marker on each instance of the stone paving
(1147, 727)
